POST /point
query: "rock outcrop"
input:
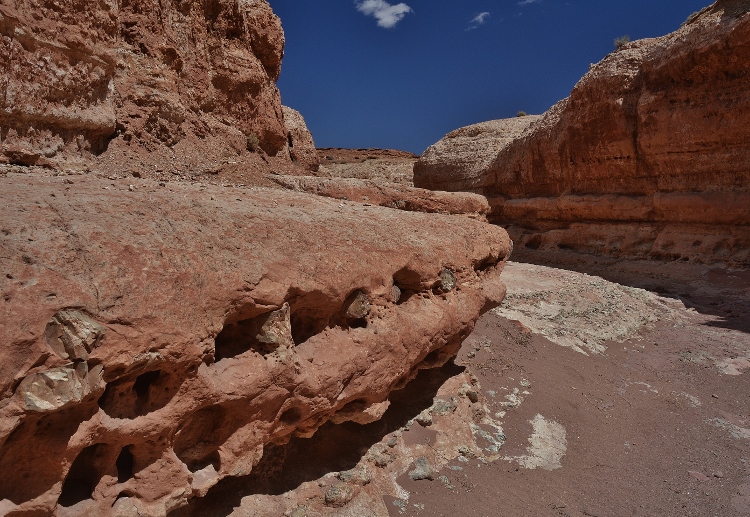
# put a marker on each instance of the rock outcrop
(459, 161)
(173, 85)
(391, 195)
(648, 157)
(299, 140)
(157, 338)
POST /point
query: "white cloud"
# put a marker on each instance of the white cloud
(478, 20)
(387, 15)
(527, 2)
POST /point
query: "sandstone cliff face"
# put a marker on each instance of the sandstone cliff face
(138, 78)
(156, 338)
(647, 157)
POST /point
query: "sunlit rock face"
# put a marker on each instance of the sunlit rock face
(137, 77)
(157, 340)
(648, 157)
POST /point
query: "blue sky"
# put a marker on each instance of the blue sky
(399, 75)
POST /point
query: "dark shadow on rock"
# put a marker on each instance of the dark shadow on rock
(333, 448)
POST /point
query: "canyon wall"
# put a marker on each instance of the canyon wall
(648, 157)
(157, 337)
(167, 85)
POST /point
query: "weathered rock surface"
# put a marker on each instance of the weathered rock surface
(299, 140)
(392, 195)
(459, 161)
(384, 165)
(176, 84)
(649, 156)
(156, 339)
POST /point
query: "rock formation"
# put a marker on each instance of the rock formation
(299, 140)
(459, 161)
(392, 195)
(158, 337)
(648, 157)
(172, 86)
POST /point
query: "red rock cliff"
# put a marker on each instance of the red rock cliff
(178, 78)
(648, 157)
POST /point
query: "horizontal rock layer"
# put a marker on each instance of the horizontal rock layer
(656, 134)
(157, 338)
(392, 195)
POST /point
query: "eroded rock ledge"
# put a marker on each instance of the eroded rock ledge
(648, 157)
(157, 337)
(391, 195)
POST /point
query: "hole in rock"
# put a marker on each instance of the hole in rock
(133, 397)
(432, 359)
(359, 323)
(485, 264)
(534, 242)
(125, 462)
(82, 477)
(291, 416)
(31, 459)
(311, 313)
(407, 280)
(144, 381)
(197, 441)
(244, 335)
(333, 448)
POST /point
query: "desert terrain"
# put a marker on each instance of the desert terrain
(205, 315)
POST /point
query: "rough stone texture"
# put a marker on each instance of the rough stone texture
(141, 79)
(171, 397)
(299, 140)
(648, 157)
(392, 195)
(459, 161)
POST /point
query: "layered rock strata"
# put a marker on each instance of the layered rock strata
(392, 195)
(171, 84)
(156, 338)
(648, 157)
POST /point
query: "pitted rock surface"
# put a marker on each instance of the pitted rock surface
(157, 280)
(648, 157)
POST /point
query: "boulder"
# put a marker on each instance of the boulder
(300, 141)
(156, 339)
(184, 82)
(648, 157)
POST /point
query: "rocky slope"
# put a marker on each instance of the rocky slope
(161, 337)
(141, 87)
(647, 157)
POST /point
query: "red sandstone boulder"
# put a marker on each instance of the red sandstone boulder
(140, 80)
(648, 157)
(156, 338)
